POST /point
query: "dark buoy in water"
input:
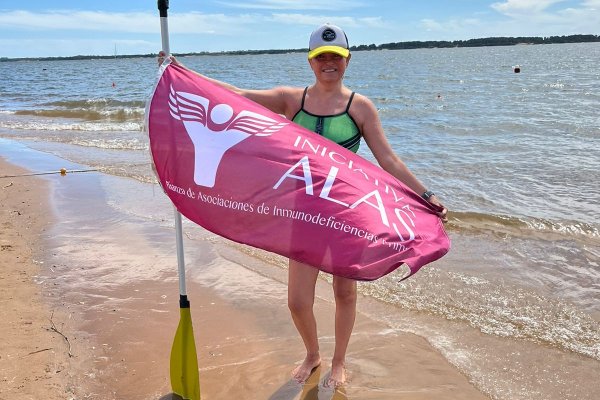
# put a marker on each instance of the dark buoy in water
(517, 69)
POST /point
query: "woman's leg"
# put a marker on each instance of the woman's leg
(345, 313)
(301, 296)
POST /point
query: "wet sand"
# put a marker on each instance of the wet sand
(120, 331)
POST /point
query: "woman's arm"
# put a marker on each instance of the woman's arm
(281, 100)
(370, 125)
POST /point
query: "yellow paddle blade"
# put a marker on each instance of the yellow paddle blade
(184, 361)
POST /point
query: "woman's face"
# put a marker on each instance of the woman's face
(329, 66)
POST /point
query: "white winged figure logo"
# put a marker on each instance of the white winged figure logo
(210, 145)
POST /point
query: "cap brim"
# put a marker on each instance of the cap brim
(328, 49)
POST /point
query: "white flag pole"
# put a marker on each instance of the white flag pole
(184, 360)
(164, 34)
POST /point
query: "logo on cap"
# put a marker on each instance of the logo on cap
(328, 35)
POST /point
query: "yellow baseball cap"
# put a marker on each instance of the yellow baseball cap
(328, 38)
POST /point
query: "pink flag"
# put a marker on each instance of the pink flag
(252, 176)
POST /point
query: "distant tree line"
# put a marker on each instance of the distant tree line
(491, 41)
(432, 44)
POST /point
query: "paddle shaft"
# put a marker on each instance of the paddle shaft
(163, 6)
(180, 258)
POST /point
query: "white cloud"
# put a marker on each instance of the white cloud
(521, 18)
(454, 29)
(431, 25)
(147, 23)
(591, 4)
(78, 20)
(511, 7)
(191, 31)
(192, 23)
(532, 17)
(218, 24)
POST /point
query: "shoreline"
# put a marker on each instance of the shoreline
(121, 334)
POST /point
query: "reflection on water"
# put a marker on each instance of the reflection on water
(312, 389)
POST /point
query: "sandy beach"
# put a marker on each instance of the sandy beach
(34, 356)
(63, 340)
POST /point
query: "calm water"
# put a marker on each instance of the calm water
(516, 158)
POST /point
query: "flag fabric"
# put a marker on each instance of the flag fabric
(253, 176)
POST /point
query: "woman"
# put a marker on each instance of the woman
(334, 111)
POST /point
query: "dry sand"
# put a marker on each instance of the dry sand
(34, 356)
(120, 341)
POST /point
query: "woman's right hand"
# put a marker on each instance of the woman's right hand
(161, 59)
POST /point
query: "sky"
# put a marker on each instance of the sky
(43, 28)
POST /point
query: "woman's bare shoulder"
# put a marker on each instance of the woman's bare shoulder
(362, 100)
(292, 98)
(362, 106)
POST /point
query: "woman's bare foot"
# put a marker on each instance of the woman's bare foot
(337, 377)
(303, 371)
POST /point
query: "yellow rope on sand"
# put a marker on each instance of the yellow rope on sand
(62, 171)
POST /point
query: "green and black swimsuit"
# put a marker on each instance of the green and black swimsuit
(339, 128)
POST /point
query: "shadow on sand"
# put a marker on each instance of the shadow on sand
(310, 390)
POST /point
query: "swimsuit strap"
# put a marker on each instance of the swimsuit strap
(303, 97)
(349, 102)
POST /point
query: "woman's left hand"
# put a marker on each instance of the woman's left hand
(443, 214)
